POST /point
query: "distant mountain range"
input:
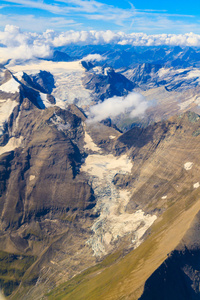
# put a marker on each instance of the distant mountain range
(108, 209)
(127, 56)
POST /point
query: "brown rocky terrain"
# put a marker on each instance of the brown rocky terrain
(85, 204)
(46, 202)
(165, 181)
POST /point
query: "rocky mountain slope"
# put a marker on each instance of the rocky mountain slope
(50, 197)
(106, 83)
(164, 181)
(88, 211)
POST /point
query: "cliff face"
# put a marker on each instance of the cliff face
(42, 192)
(44, 174)
(178, 277)
(106, 83)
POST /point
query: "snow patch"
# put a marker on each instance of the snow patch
(11, 145)
(193, 74)
(163, 71)
(89, 144)
(197, 101)
(63, 127)
(11, 86)
(164, 197)
(112, 137)
(188, 165)
(196, 185)
(19, 75)
(32, 177)
(50, 66)
(58, 121)
(44, 100)
(188, 102)
(6, 108)
(16, 124)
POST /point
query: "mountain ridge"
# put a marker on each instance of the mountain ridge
(95, 211)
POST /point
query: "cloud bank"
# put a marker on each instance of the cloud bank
(15, 44)
(134, 104)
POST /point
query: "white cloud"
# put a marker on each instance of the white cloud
(94, 57)
(36, 23)
(19, 45)
(83, 5)
(134, 104)
(37, 4)
(27, 45)
(109, 37)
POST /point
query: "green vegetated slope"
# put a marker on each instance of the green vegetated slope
(12, 269)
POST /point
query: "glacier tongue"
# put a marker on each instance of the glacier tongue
(69, 88)
(113, 221)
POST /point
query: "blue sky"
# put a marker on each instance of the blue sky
(151, 17)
